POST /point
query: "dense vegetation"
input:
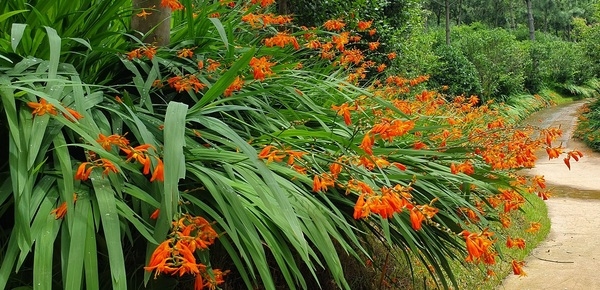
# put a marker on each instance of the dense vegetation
(255, 151)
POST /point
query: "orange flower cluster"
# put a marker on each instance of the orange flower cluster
(173, 4)
(387, 130)
(518, 268)
(263, 3)
(261, 68)
(235, 86)
(61, 210)
(185, 53)
(42, 107)
(344, 110)
(515, 243)
(138, 153)
(575, 154)
(278, 155)
(83, 171)
(390, 201)
(175, 256)
(186, 83)
(282, 39)
(364, 25)
(534, 227)
(479, 247)
(263, 20)
(138, 53)
(323, 182)
(334, 25)
(465, 167)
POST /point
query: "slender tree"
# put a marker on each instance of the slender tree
(447, 3)
(530, 20)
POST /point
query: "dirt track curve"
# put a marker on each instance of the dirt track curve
(569, 258)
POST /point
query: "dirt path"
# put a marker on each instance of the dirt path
(569, 258)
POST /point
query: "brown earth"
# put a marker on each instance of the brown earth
(569, 258)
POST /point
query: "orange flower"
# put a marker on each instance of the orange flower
(534, 227)
(335, 168)
(115, 139)
(540, 181)
(479, 247)
(344, 110)
(181, 84)
(61, 210)
(185, 53)
(367, 144)
(281, 39)
(235, 86)
(320, 183)
(149, 52)
(515, 243)
(143, 14)
(139, 153)
(74, 113)
(416, 218)
(334, 25)
(553, 152)
(83, 171)
(158, 173)
(391, 55)
(364, 25)
(136, 53)
(213, 65)
(41, 108)
(354, 56)
(263, 3)
(360, 211)
(160, 257)
(261, 67)
(294, 155)
(419, 145)
(505, 220)
(173, 4)
(155, 214)
(373, 45)
(271, 156)
(518, 268)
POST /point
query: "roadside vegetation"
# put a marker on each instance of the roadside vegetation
(257, 151)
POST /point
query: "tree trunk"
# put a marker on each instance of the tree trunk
(530, 20)
(156, 25)
(459, 13)
(447, 22)
(283, 7)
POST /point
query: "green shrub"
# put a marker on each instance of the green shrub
(455, 71)
(497, 56)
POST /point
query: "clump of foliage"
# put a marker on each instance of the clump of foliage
(454, 68)
(499, 59)
(589, 125)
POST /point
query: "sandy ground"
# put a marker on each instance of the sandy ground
(569, 258)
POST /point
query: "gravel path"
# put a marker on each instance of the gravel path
(569, 258)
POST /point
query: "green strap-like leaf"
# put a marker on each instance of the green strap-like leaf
(174, 160)
(77, 247)
(110, 226)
